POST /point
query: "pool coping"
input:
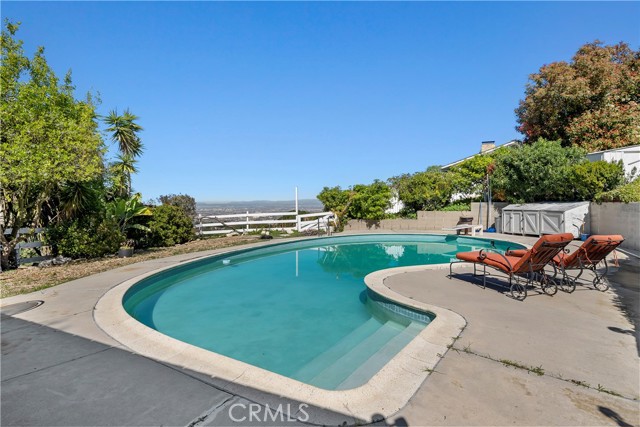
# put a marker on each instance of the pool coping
(384, 394)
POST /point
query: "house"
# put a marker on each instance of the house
(486, 148)
(630, 157)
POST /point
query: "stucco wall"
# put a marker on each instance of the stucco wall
(618, 218)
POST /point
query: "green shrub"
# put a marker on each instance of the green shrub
(591, 178)
(626, 193)
(457, 206)
(169, 226)
(538, 172)
(87, 238)
(184, 201)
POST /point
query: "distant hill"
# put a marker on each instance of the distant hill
(212, 208)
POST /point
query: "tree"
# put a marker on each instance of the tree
(370, 201)
(124, 131)
(469, 176)
(338, 201)
(47, 139)
(120, 172)
(536, 172)
(428, 190)
(359, 202)
(592, 102)
(183, 201)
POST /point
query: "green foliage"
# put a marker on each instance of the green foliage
(170, 225)
(126, 212)
(457, 207)
(360, 202)
(47, 138)
(591, 178)
(370, 201)
(627, 193)
(87, 238)
(77, 199)
(429, 190)
(592, 102)
(119, 176)
(470, 176)
(124, 132)
(536, 172)
(338, 201)
(183, 201)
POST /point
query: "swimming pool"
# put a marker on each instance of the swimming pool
(298, 309)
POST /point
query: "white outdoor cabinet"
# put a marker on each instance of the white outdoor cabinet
(546, 218)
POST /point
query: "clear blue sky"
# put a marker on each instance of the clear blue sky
(244, 101)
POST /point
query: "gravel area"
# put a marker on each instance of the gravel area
(30, 278)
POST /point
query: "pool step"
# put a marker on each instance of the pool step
(372, 365)
(342, 368)
(342, 347)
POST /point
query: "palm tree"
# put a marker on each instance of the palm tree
(121, 171)
(124, 131)
(77, 198)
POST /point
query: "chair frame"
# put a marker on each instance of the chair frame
(523, 279)
(600, 282)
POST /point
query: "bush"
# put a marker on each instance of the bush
(627, 193)
(456, 207)
(170, 225)
(591, 178)
(184, 201)
(88, 238)
(429, 190)
(538, 172)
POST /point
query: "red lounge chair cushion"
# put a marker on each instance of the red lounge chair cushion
(532, 259)
(592, 251)
(516, 252)
(492, 259)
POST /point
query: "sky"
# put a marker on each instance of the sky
(246, 101)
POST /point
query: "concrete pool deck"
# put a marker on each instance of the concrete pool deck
(60, 368)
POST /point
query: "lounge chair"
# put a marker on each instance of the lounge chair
(530, 266)
(587, 257)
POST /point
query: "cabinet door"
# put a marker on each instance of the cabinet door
(516, 223)
(531, 225)
(552, 222)
(507, 222)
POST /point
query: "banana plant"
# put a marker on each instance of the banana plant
(125, 211)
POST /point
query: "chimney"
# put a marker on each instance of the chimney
(487, 145)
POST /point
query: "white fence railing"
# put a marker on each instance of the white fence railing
(248, 222)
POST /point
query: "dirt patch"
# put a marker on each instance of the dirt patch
(28, 279)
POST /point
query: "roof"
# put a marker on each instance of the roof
(637, 146)
(550, 206)
(507, 144)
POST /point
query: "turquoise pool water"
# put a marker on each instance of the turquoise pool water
(299, 309)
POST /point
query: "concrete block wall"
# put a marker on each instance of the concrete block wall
(491, 218)
(618, 218)
(437, 220)
(427, 221)
(431, 220)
